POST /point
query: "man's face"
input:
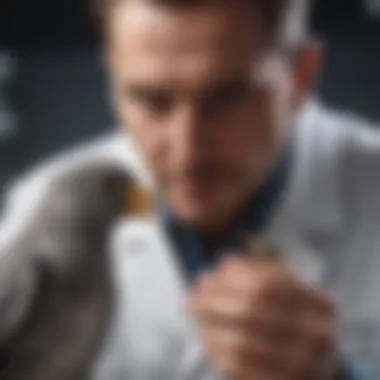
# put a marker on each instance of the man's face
(204, 98)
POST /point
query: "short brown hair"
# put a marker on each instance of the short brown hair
(286, 20)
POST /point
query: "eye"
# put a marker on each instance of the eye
(227, 96)
(155, 101)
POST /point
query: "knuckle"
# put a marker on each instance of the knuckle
(273, 281)
(245, 309)
(249, 308)
(300, 373)
(239, 345)
(297, 365)
(324, 334)
(233, 365)
(242, 347)
(325, 304)
(206, 285)
(329, 307)
(323, 339)
(320, 303)
(233, 266)
(203, 282)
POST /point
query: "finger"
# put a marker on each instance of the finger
(272, 282)
(262, 282)
(314, 301)
(312, 351)
(233, 365)
(301, 365)
(208, 282)
(253, 354)
(251, 271)
(220, 308)
(265, 284)
(232, 370)
(317, 335)
(216, 302)
(206, 287)
(230, 312)
(250, 348)
(242, 263)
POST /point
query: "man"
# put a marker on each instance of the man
(210, 92)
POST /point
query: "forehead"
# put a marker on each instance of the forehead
(166, 43)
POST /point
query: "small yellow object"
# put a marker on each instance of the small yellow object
(139, 201)
(260, 249)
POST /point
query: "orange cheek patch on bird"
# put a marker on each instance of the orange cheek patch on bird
(139, 201)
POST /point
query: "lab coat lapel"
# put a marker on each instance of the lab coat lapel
(311, 213)
(153, 297)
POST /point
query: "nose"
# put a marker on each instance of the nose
(188, 135)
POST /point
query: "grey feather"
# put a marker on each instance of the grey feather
(55, 283)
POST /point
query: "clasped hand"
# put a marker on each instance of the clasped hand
(258, 322)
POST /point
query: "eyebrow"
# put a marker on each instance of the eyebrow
(233, 84)
(143, 89)
(210, 89)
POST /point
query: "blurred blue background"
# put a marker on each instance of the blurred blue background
(53, 92)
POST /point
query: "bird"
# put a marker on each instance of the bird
(56, 283)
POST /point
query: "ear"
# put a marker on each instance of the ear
(306, 68)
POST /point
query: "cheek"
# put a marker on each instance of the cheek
(251, 134)
(150, 137)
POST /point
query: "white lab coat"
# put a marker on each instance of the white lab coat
(327, 226)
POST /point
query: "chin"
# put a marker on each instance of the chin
(199, 210)
(197, 216)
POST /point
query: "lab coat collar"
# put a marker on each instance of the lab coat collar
(314, 196)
